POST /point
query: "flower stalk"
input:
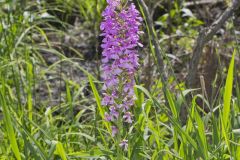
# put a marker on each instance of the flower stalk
(120, 29)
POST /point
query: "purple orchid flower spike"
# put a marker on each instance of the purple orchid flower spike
(120, 31)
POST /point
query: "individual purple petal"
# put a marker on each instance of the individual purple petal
(124, 144)
(107, 100)
(126, 66)
(114, 112)
(140, 44)
(114, 130)
(127, 117)
(112, 82)
(108, 117)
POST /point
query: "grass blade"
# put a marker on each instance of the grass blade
(227, 101)
(60, 151)
(8, 123)
(228, 93)
(98, 101)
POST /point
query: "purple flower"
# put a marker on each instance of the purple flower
(127, 117)
(107, 100)
(108, 117)
(124, 144)
(114, 130)
(120, 31)
(113, 112)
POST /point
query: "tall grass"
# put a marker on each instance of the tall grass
(33, 128)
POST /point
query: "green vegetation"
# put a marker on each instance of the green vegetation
(50, 92)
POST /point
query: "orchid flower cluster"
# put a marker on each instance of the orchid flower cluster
(120, 29)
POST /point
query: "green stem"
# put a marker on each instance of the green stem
(119, 137)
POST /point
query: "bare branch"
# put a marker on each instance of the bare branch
(157, 48)
(202, 2)
(206, 35)
(154, 39)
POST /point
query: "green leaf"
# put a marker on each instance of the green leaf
(228, 93)
(60, 151)
(227, 100)
(8, 122)
(202, 135)
(172, 104)
(144, 90)
(98, 101)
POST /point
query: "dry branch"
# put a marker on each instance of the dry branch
(202, 2)
(206, 35)
(155, 42)
(154, 39)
